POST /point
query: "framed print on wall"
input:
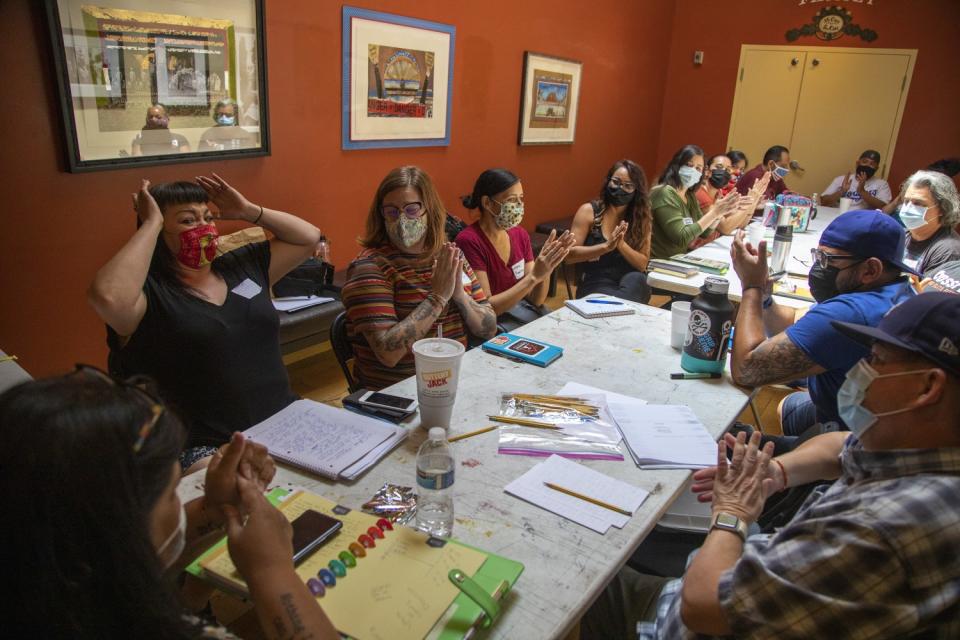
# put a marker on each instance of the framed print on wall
(549, 99)
(397, 80)
(147, 82)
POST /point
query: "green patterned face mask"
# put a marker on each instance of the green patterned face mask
(406, 232)
(511, 213)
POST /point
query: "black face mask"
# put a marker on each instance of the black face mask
(866, 170)
(719, 178)
(823, 281)
(617, 196)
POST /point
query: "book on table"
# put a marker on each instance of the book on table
(331, 442)
(600, 307)
(707, 265)
(400, 587)
(522, 349)
(673, 268)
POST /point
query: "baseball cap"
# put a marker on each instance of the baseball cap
(946, 278)
(870, 153)
(868, 234)
(927, 324)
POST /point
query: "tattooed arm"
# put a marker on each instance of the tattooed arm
(480, 318)
(390, 345)
(758, 360)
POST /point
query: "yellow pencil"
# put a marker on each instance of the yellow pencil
(599, 503)
(472, 433)
(8, 358)
(523, 421)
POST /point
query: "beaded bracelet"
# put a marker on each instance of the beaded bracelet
(783, 471)
(259, 216)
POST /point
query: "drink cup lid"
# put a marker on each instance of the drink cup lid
(713, 284)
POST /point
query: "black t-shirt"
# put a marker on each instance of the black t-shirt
(219, 368)
(158, 142)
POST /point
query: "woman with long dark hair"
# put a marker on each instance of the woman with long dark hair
(498, 249)
(199, 322)
(678, 221)
(408, 282)
(612, 234)
(93, 526)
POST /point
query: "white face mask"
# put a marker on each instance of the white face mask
(404, 233)
(913, 216)
(854, 390)
(689, 176)
(173, 546)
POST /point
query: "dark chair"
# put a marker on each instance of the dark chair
(559, 225)
(342, 349)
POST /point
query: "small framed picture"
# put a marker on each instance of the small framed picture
(397, 80)
(160, 81)
(549, 99)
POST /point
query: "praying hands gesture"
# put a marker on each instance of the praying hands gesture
(446, 273)
(619, 233)
(742, 485)
(237, 459)
(554, 252)
(704, 479)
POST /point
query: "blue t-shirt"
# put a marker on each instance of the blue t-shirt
(830, 349)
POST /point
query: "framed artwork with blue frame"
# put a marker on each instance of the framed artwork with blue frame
(397, 80)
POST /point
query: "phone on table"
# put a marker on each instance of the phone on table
(310, 530)
(380, 400)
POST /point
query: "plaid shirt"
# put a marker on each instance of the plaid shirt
(876, 555)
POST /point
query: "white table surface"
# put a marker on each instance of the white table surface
(719, 249)
(567, 565)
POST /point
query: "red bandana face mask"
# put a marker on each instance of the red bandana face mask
(198, 246)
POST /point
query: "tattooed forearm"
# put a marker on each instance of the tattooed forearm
(402, 335)
(775, 360)
(290, 607)
(479, 317)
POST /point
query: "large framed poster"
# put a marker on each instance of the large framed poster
(144, 83)
(397, 80)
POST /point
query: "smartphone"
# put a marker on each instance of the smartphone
(379, 400)
(310, 530)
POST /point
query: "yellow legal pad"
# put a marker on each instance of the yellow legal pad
(398, 590)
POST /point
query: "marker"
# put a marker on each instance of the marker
(604, 302)
(695, 376)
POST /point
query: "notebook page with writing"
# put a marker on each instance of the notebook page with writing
(320, 438)
(576, 477)
(663, 436)
(399, 589)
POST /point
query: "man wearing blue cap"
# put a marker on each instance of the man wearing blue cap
(856, 276)
(874, 555)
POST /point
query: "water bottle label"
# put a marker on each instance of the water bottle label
(435, 481)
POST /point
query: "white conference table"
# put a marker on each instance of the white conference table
(566, 565)
(719, 249)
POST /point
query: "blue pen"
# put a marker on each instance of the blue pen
(603, 302)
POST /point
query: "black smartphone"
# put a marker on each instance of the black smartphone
(310, 530)
(380, 400)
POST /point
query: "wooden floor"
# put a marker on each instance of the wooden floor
(315, 374)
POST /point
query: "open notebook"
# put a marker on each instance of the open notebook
(600, 307)
(330, 442)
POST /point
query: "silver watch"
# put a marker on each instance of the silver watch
(730, 522)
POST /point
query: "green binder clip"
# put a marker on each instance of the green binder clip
(489, 604)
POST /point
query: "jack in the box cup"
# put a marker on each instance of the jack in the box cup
(437, 361)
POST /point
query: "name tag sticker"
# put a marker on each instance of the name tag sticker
(517, 269)
(248, 288)
(687, 221)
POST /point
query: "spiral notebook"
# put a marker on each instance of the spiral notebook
(600, 307)
(330, 442)
(389, 581)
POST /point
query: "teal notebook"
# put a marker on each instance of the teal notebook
(475, 605)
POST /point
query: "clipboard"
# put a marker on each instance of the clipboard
(476, 604)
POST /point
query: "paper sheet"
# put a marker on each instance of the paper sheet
(398, 590)
(295, 303)
(576, 389)
(577, 477)
(663, 436)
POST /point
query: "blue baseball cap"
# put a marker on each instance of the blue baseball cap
(927, 324)
(868, 234)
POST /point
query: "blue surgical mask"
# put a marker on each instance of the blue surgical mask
(225, 120)
(689, 176)
(854, 390)
(913, 216)
(780, 172)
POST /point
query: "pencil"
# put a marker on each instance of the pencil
(471, 433)
(599, 503)
(523, 421)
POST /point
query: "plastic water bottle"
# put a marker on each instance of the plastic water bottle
(435, 467)
(814, 205)
(711, 322)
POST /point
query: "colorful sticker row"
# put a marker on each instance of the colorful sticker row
(337, 568)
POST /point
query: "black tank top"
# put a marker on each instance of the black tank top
(610, 266)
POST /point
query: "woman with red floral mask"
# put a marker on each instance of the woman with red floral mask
(197, 320)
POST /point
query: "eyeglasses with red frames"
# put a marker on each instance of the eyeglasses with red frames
(138, 385)
(411, 210)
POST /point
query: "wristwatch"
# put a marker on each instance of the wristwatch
(729, 522)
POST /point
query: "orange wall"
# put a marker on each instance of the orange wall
(60, 227)
(698, 100)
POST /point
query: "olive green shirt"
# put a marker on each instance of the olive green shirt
(674, 221)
